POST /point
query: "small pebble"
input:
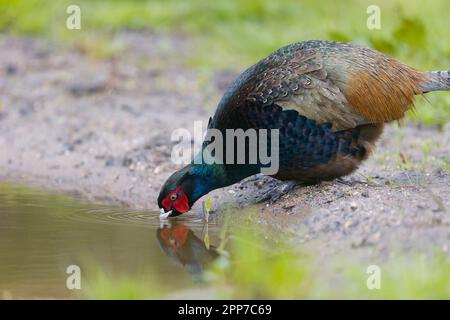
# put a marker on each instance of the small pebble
(353, 206)
(157, 170)
(11, 69)
(348, 224)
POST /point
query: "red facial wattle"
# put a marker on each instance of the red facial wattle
(175, 237)
(180, 203)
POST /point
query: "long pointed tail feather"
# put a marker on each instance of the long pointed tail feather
(438, 81)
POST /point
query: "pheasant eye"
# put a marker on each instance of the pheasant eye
(173, 196)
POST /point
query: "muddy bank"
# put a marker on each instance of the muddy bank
(101, 129)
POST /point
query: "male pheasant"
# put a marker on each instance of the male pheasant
(328, 99)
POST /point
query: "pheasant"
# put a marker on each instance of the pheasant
(329, 101)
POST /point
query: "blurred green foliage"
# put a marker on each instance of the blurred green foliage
(235, 34)
(255, 271)
(104, 286)
(255, 263)
(259, 268)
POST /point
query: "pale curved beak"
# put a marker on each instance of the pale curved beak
(163, 214)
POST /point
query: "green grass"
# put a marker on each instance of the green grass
(285, 275)
(103, 286)
(235, 34)
(256, 264)
(265, 267)
(258, 268)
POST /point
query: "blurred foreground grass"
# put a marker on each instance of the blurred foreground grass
(261, 269)
(235, 34)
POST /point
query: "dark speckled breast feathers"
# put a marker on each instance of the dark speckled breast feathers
(329, 101)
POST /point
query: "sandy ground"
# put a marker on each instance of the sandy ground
(100, 128)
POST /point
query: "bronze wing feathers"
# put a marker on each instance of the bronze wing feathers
(299, 82)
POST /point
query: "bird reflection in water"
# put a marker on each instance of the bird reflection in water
(181, 245)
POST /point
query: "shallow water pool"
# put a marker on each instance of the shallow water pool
(42, 235)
